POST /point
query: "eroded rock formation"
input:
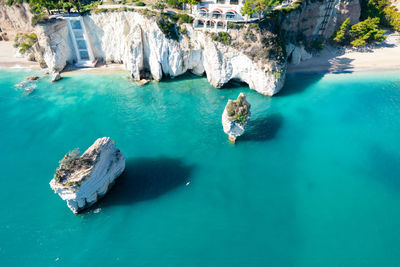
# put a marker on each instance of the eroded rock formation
(82, 180)
(135, 40)
(235, 117)
(256, 55)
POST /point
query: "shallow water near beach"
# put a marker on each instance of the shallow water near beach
(315, 181)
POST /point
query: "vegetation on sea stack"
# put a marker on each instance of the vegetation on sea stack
(238, 109)
(69, 163)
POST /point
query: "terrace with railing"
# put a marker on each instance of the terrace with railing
(214, 15)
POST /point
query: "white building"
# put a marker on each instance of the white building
(214, 15)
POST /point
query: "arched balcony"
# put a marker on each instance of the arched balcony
(199, 23)
(216, 14)
(231, 14)
(220, 25)
(210, 24)
(203, 12)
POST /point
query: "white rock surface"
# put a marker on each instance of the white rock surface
(136, 41)
(234, 129)
(108, 164)
(298, 53)
(55, 77)
(55, 45)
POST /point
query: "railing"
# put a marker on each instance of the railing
(219, 16)
(210, 25)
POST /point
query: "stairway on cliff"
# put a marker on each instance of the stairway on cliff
(327, 16)
(80, 40)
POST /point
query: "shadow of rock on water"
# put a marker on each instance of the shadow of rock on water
(146, 179)
(263, 129)
(297, 83)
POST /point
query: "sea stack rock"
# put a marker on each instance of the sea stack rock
(235, 117)
(82, 180)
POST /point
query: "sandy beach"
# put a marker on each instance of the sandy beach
(8, 58)
(385, 56)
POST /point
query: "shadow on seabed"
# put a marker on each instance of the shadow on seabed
(146, 179)
(263, 129)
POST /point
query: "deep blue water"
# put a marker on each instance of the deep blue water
(315, 181)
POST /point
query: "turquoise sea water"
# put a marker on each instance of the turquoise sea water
(315, 181)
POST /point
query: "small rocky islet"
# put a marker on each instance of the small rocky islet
(82, 180)
(235, 117)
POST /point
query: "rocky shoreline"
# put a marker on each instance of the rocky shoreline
(254, 53)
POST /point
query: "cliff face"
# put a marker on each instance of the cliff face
(137, 42)
(303, 25)
(55, 45)
(308, 18)
(15, 19)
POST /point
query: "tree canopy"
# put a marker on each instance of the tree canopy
(39, 6)
(362, 33)
(260, 7)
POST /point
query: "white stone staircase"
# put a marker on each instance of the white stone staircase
(80, 40)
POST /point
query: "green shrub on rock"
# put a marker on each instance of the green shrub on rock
(70, 162)
(342, 35)
(238, 109)
(168, 28)
(393, 18)
(25, 42)
(222, 37)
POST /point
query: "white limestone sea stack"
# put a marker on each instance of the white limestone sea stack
(82, 180)
(235, 117)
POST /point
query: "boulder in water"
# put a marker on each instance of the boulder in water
(82, 180)
(142, 82)
(235, 117)
(32, 78)
(56, 77)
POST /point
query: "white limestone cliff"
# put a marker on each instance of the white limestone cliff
(81, 181)
(136, 41)
(235, 117)
(298, 53)
(55, 45)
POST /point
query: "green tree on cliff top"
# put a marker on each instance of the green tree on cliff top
(260, 7)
